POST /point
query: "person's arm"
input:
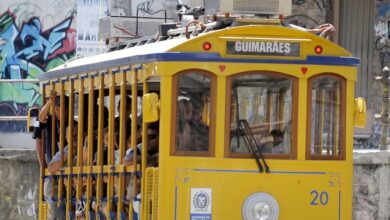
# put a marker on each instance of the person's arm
(128, 159)
(45, 111)
(39, 151)
(55, 163)
(54, 166)
(323, 29)
(42, 117)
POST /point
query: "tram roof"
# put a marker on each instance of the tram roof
(181, 49)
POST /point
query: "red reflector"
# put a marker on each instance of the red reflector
(206, 46)
(318, 49)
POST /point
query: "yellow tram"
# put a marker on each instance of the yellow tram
(255, 122)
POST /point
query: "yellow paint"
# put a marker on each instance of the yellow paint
(294, 183)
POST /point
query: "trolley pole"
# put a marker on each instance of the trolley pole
(384, 116)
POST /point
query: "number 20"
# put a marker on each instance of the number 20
(322, 197)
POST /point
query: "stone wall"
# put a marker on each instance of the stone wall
(371, 185)
(19, 185)
(19, 181)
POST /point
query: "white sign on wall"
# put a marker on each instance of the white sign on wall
(201, 200)
(88, 14)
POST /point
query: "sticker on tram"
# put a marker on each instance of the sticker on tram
(201, 199)
(263, 48)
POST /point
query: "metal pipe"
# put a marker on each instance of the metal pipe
(19, 80)
(13, 118)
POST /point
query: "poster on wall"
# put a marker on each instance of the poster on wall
(88, 14)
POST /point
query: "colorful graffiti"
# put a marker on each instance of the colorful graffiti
(26, 52)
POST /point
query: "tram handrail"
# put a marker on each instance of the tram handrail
(19, 81)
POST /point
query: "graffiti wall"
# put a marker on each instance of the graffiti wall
(382, 34)
(35, 36)
(381, 46)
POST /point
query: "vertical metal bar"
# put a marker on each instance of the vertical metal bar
(282, 94)
(99, 190)
(53, 124)
(90, 143)
(317, 124)
(321, 122)
(134, 122)
(330, 118)
(336, 124)
(111, 142)
(269, 110)
(134, 104)
(42, 168)
(237, 115)
(69, 188)
(123, 115)
(80, 139)
(62, 141)
(144, 156)
(53, 134)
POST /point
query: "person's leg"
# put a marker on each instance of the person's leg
(47, 189)
(53, 210)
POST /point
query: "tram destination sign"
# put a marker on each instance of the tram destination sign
(263, 48)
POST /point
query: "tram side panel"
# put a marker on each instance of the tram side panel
(302, 190)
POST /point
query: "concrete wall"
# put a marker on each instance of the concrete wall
(371, 185)
(19, 181)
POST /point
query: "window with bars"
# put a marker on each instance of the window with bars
(326, 116)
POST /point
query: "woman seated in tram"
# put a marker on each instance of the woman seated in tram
(192, 132)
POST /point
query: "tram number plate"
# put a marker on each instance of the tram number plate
(319, 198)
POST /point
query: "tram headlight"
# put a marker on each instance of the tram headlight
(260, 206)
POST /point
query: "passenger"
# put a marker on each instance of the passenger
(153, 144)
(128, 158)
(192, 132)
(270, 142)
(55, 163)
(127, 110)
(324, 30)
(199, 130)
(152, 151)
(103, 204)
(152, 158)
(183, 128)
(37, 135)
(45, 119)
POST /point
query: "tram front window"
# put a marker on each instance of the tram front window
(193, 112)
(263, 100)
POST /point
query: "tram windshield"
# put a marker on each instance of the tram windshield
(265, 102)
